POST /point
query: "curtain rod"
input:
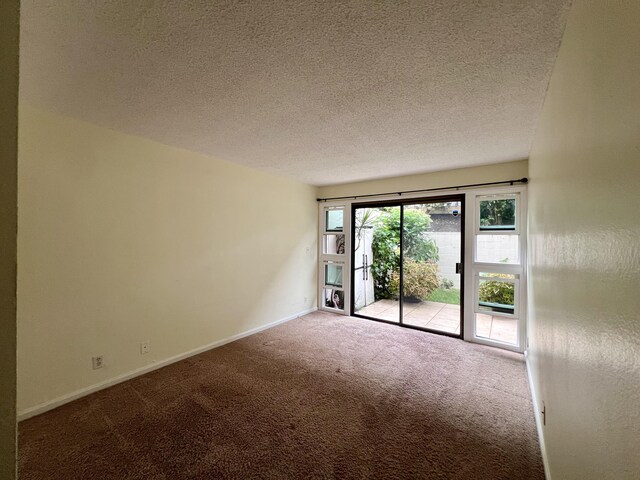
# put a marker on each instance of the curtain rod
(456, 187)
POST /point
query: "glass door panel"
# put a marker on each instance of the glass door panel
(432, 253)
(376, 263)
(496, 307)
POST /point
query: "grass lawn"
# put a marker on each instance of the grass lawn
(442, 295)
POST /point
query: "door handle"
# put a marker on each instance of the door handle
(366, 267)
(458, 267)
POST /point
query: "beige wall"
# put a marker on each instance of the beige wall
(124, 240)
(488, 173)
(584, 198)
(9, 11)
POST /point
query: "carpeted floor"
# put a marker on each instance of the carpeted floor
(323, 396)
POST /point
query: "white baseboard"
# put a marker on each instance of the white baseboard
(56, 402)
(539, 425)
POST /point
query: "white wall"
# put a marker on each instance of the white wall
(9, 32)
(584, 237)
(124, 240)
(448, 254)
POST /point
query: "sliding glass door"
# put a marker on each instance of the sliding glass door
(431, 265)
(407, 259)
(376, 262)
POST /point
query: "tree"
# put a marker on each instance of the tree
(497, 212)
(386, 246)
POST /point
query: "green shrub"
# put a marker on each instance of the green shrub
(497, 292)
(420, 279)
(386, 246)
(446, 284)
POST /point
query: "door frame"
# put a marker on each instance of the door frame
(471, 193)
(461, 197)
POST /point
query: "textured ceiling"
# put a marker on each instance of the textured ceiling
(326, 92)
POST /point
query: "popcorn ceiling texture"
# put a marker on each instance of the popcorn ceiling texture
(326, 92)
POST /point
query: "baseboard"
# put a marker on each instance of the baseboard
(539, 426)
(56, 402)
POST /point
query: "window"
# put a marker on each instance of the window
(497, 269)
(333, 298)
(496, 293)
(333, 274)
(497, 229)
(497, 249)
(333, 245)
(497, 214)
(334, 219)
(333, 258)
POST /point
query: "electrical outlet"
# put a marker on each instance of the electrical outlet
(98, 362)
(145, 347)
(544, 414)
(305, 300)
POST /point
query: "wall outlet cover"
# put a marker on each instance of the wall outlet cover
(98, 362)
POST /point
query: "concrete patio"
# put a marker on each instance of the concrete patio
(442, 317)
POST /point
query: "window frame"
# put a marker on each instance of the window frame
(478, 228)
(516, 293)
(343, 259)
(473, 268)
(326, 263)
(328, 209)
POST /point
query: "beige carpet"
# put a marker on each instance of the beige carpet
(320, 397)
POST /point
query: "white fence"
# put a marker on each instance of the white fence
(449, 250)
(493, 247)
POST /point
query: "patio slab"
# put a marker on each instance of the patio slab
(443, 317)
